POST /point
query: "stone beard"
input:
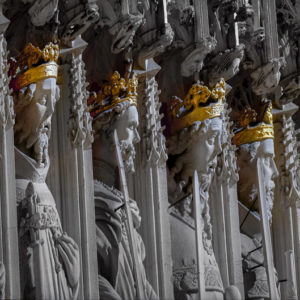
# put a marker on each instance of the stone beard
(248, 185)
(34, 106)
(51, 269)
(194, 148)
(116, 279)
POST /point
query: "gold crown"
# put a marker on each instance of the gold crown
(249, 134)
(199, 104)
(34, 64)
(113, 93)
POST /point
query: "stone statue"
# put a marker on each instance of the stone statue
(255, 141)
(49, 258)
(194, 144)
(266, 78)
(115, 108)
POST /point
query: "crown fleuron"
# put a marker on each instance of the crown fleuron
(117, 91)
(258, 132)
(34, 64)
(200, 104)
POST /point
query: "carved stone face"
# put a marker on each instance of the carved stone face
(200, 154)
(34, 109)
(126, 125)
(248, 182)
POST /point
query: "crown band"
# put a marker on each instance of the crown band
(96, 112)
(198, 114)
(255, 134)
(117, 91)
(48, 70)
(262, 131)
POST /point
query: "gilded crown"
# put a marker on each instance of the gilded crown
(200, 104)
(257, 132)
(117, 91)
(34, 64)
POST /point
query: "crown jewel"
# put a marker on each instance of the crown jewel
(117, 91)
(199, 104)
(34, 64)
(249, 134)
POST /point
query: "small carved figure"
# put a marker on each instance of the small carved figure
(226, 65)
(266, 78)
(193, 63)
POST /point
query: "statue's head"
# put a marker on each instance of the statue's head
(256, 142)
(196, 139)
(35, 94)
(114, 107)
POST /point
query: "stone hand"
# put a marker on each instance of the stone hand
(69, 253)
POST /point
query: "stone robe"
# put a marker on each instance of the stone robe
(114, 256)
(41, 266)
(185, 260)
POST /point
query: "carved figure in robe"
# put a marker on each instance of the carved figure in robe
(115, 108)
(49, 258)
(255, 140)
(194, 144)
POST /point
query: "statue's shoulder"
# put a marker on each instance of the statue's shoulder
(110, 195)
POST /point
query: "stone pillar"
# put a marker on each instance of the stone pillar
(285, 220)
(9, 253)
(225, 215)
(73, 141)
(150, 185)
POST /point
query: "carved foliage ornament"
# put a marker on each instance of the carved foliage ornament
(80, 121)
(7, 114)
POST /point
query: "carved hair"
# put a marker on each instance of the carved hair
(105, 121)
(180, 141)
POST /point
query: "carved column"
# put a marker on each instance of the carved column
(225, 215)
(150, 185)
(9, 253)
(73, 140)
(285, 225)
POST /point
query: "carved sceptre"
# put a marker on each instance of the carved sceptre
(198, 233)
(132, 244)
